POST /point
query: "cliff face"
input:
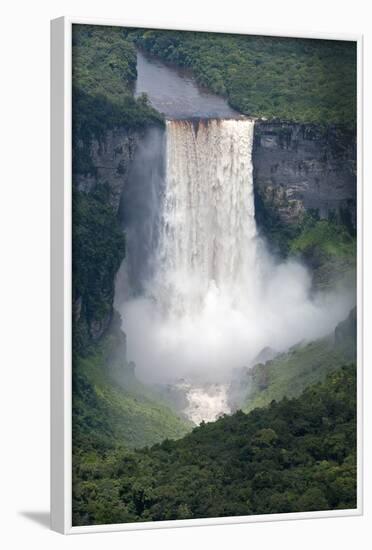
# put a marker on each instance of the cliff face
(296, 167)
(110, 160)
(125, 168)
(299, 167)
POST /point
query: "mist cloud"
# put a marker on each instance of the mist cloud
(230, 329)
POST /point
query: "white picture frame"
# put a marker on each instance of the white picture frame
(61, 295)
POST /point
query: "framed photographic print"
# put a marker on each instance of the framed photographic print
(206, 276)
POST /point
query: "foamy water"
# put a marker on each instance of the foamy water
(206, 402)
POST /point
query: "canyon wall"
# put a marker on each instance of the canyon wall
(296, 167)
(110, 159)
(106, 166)
(304, 166)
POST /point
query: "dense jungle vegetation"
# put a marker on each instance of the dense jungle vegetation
(111, 407)
(295, 455)
(97, 251)
(288, 374)
(289, 455)
(298, 80)
(326, 246)
(103, 76)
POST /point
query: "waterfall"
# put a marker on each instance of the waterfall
(208, 231)
(206, 255)
(214, 297)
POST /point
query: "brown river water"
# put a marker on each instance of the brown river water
(175, 92)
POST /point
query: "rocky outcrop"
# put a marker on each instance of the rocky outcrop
(110, 159)
(107, 162)
(299, 167)
(296, 167)
(122, 168)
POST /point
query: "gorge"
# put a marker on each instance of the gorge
(195, 199)
(199, 293)
(297, 168)
(214, 261)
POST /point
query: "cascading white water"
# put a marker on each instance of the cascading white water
(207, 244)
(215, 298)
(208, 234)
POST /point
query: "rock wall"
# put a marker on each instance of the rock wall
(296, 167)
(110, 159)
(299, 167)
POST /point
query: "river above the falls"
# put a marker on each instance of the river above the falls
(175, 92)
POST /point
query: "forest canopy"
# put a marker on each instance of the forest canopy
(292, 79)
(103, 76)
(295, 455)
